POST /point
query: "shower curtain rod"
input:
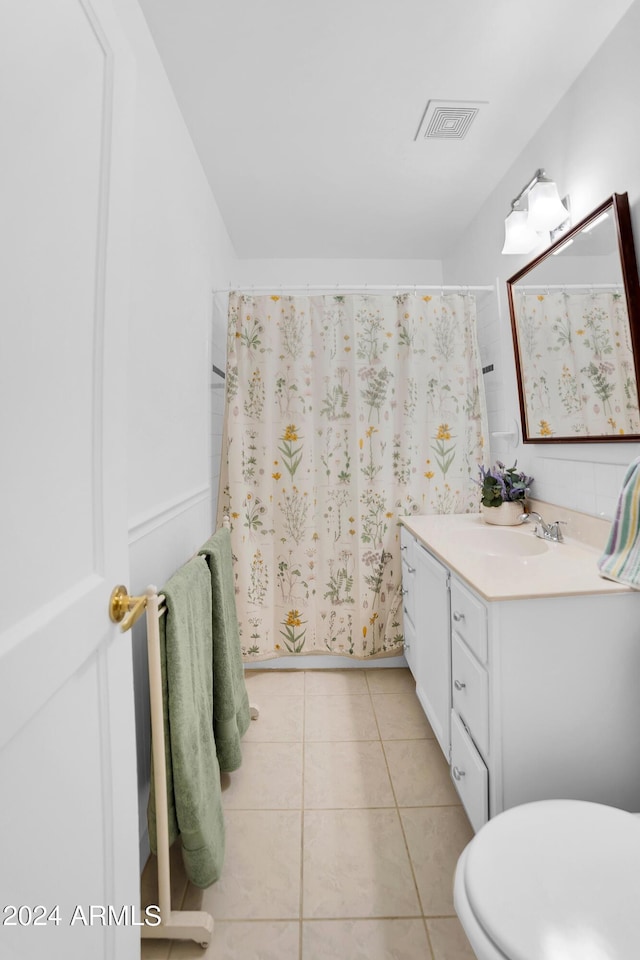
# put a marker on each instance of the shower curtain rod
(364, 287)
(568, 286)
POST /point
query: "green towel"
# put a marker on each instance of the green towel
(193, 774)
(231, 715)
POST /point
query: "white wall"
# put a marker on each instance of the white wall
(282, 273)
(590, 145)
(180, 253)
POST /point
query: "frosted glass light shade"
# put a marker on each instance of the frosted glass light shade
(518, 235)
(546, 210)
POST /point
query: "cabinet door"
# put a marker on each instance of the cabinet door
(410, 647)
(408, 548)
(432, 626)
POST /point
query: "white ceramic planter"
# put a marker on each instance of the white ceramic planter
(506, 515)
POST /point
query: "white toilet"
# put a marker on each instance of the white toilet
(552, 880)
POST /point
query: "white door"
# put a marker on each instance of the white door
(68, 819)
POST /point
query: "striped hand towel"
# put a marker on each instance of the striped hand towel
(621, 558)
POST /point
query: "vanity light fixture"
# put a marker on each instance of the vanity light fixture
(525, 228)
(546, 209)
(519, 237)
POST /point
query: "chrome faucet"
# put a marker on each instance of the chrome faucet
(546, 531)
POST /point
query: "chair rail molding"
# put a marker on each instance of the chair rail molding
(145, 523)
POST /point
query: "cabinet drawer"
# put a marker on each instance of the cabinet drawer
(469, 619)
(469, 774)
(470, 692)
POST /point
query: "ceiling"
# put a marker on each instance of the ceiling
(305, 114)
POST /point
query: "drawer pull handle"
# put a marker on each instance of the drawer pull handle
(407, 646)
(404, 547)
(404, 591)
(458, 616)
(459, 685)
(410, 569)
(458, 774)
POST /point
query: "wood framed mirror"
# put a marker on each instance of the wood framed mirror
(575, 320)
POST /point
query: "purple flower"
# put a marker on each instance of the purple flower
(500, 484)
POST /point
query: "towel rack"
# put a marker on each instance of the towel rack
(174, 924)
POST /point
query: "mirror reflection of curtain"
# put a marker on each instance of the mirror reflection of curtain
(343, 414)
(577, 363)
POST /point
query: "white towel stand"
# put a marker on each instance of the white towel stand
(174, 924)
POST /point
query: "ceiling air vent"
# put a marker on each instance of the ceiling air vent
(447, 119)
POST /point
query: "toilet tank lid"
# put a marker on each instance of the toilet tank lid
(557, 880)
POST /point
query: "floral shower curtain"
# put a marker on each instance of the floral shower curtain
(343, 413)
(577, 361)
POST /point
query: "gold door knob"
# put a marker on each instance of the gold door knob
(124, 609)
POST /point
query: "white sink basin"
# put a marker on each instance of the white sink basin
(504, 543)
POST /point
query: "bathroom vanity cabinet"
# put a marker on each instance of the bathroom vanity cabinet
(530, 696)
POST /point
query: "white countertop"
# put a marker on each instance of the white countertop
(499, 568)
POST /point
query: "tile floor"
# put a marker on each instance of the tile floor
(343, 829)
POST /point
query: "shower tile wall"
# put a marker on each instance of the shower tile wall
(585, 485)
(490, 346)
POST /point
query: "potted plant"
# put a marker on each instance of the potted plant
(504, 490)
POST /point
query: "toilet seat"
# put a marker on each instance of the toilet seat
(553, 880)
